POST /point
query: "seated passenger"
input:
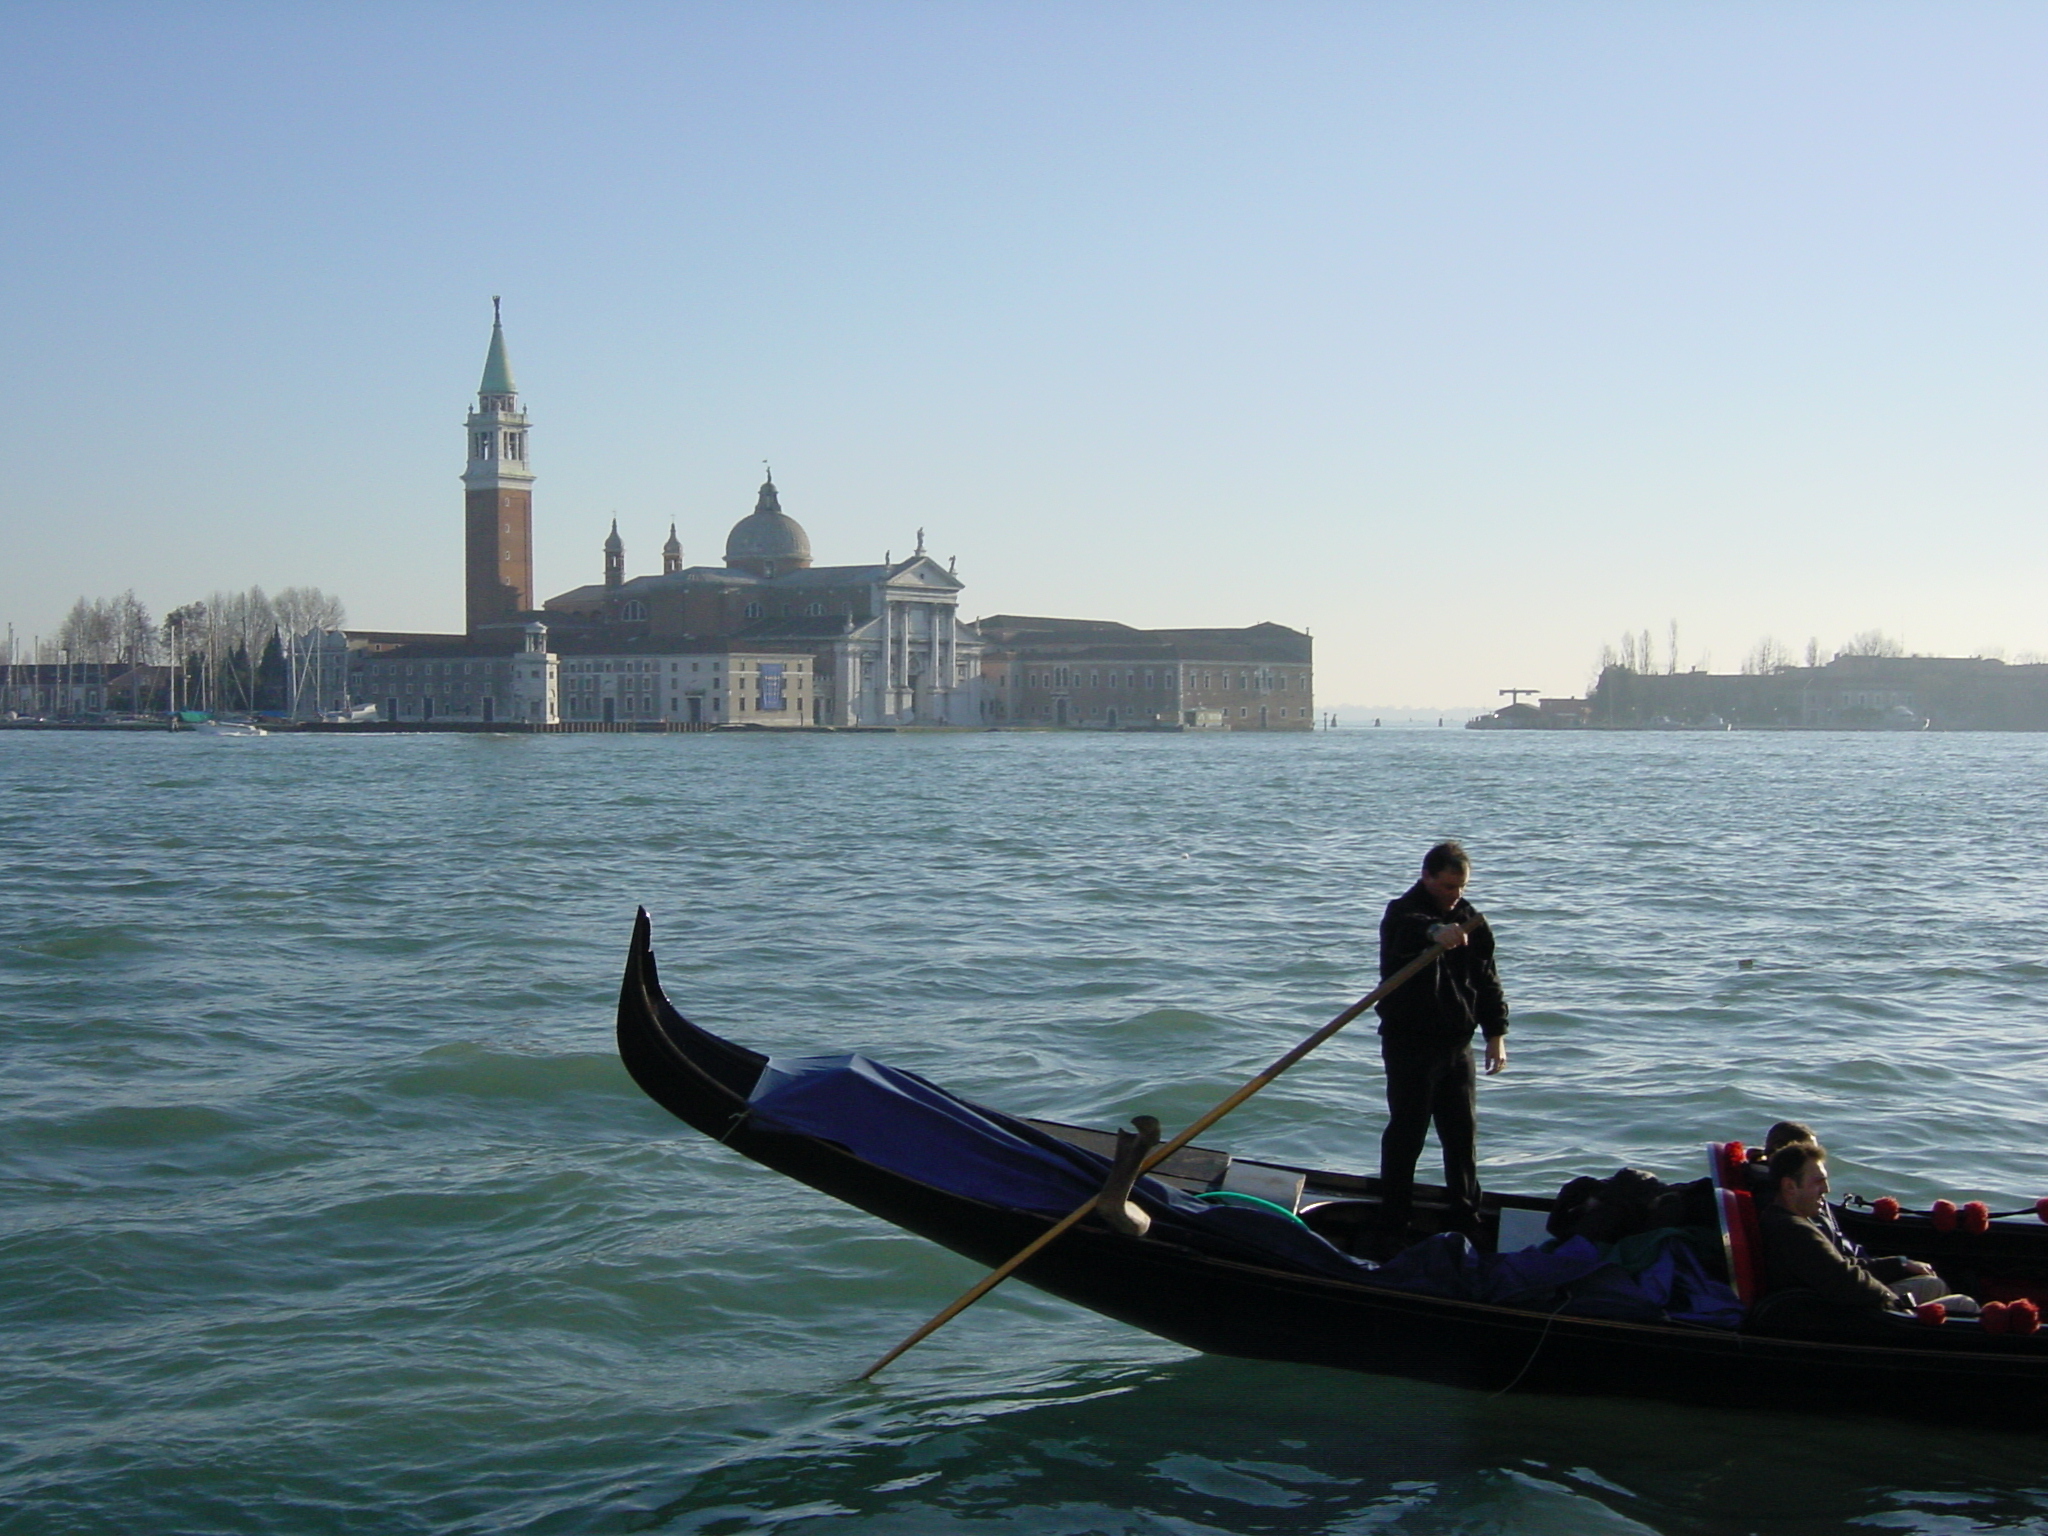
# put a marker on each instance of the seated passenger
(1801, 1258)
(1784, 1133)
(1910, 1278)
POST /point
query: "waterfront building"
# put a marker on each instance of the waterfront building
(1090, 672)
(61, 690)
(1854, 693)
(530, 678)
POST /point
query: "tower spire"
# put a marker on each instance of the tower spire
(497, 368)
(614, 557)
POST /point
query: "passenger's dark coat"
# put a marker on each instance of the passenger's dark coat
(1799, 1255)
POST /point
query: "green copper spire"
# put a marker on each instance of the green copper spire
(497, 372)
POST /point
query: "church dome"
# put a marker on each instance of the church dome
(767, 541)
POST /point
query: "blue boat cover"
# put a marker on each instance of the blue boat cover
(898, 1121)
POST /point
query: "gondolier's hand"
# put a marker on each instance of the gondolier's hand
(1450, 935)
(1496, 1054)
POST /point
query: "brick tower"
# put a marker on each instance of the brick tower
(498, 490)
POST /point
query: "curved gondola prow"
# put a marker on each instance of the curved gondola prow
(692, 1073)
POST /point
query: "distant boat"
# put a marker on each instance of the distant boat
(229, 728)
(1525, 717)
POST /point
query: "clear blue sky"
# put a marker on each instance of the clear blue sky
(1466, 336)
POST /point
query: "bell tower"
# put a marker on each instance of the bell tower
(498, 492)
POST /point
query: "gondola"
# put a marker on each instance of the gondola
(1257, 1259)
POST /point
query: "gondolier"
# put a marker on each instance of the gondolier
(1426, 1035)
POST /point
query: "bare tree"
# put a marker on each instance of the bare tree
(303, 615)
(88, 631)
(242, 627)
(1872, 642)
(1768, 657)
(134, 640)
(184, 628)
(1671, 653)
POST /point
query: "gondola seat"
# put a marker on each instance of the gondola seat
(1741, 1234)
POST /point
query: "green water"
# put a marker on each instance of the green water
(328, 1207)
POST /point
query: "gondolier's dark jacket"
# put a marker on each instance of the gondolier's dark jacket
(1448, 1000)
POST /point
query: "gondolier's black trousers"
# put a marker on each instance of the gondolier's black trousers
(1428, 1081)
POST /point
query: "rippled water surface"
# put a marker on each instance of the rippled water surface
(329, 1208)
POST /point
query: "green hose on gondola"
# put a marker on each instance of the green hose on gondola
(1250, 1203)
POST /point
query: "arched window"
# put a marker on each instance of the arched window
(633, 612)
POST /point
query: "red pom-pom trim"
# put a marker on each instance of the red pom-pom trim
(1976, 1217)
(2022, 1316)
(1944, 1214)
(2041, 1207)
(1885, 1208)
(1993, 1317)
(1932, 1313)
(1733, 1157)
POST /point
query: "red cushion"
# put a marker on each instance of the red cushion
(1742, 1242)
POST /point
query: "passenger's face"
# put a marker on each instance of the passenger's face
(1810, 1194)
(1445, 886)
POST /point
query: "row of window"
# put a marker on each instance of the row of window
(391, 669)
(1111, 716)
(453, 690)
(382, 669)
(633, 668)
(1070, 677)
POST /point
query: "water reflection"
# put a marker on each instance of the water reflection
(1203, 1444)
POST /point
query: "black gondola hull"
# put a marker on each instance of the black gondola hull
(1223, 1306)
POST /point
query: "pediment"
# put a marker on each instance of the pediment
(924, 573)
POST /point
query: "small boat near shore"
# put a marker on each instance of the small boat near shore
(1274, 1262)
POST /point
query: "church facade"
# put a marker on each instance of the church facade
(884, 642)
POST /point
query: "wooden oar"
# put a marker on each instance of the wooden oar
(1002, 1272)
